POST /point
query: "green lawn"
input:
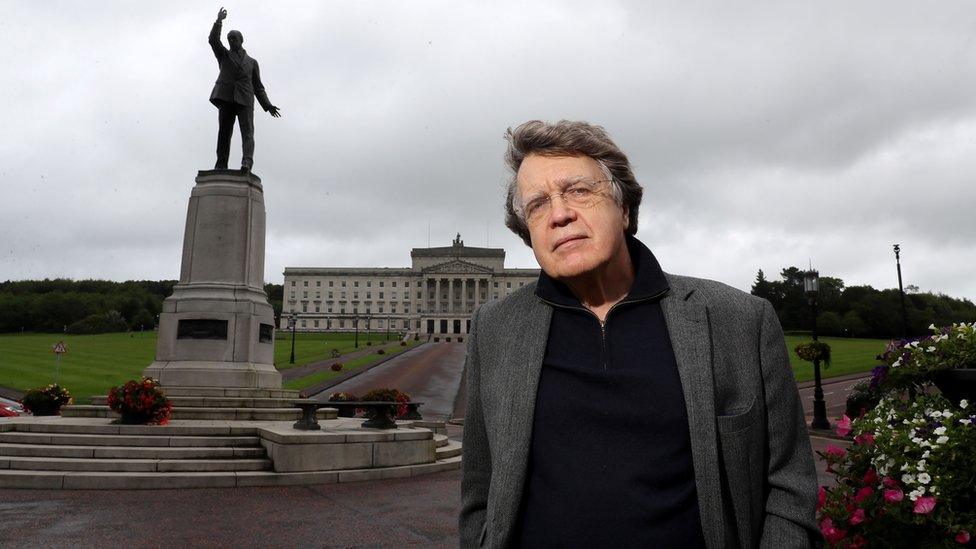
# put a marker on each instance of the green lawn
(94, 363)
(848, 356)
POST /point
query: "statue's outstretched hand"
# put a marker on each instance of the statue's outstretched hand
(274, 112)
(222, 14)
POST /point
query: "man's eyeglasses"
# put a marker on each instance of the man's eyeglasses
(584, 193)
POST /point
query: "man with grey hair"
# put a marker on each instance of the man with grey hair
(612, 404)
(233, 94)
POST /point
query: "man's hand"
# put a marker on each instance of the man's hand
(274, 112)
(222, 14)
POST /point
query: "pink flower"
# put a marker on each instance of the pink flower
(821, 497)
(890, 482)
(866, 438)
(835, 451)
(857, 517)
(830, 532)
(924, 505)
(962, 538)
(858, 542)
(844, 426)
(870, 478)
(893, 495)
(863, 494)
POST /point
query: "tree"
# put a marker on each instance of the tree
(762, 287)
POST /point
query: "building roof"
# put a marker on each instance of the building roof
(457, 249)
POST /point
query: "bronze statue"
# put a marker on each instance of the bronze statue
(237, 85)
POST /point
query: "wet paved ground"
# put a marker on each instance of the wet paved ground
(431, 375)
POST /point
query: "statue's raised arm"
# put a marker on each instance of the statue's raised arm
(238, 83)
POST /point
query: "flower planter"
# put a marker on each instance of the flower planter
(957, 384)
(40, 410)
(133, 419)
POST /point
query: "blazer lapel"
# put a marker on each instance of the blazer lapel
(688, 326)
(525, 352)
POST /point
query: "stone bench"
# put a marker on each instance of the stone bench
(379, 413)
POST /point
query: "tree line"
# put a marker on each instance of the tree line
(88, 306)
(858, 311)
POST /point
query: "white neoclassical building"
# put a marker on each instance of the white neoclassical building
(435, 295)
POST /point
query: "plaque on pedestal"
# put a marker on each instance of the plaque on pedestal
(217, 329)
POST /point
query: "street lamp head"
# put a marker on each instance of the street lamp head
(811, 282)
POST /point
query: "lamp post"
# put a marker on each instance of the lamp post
(387, 327)
(901, 291)
(368, 335)
(293, 322)
(355, 321)
(811, 285)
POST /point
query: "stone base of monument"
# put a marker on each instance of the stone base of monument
(217, 329)
(56, 452)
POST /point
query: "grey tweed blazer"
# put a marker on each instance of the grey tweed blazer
(754, 469)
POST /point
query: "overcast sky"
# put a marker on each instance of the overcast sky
(765, 134)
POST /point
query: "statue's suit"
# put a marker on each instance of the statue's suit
(238, 83)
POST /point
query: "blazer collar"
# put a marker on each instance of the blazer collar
(688, 325)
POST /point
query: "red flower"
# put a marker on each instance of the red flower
(890, 482)
(858, 542)
(962, 538)
(863, 494)
(857, 517)
(866, 438)
(830, 532)
(870, 478)
(924, 505)
(844, 426)
(893, 495)
(835, 451)
(821, 497)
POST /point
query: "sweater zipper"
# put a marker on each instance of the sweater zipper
(603, 323)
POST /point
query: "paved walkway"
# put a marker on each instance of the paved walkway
(319, 365)
(431, 375)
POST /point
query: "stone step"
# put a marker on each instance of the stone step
(128, 452)
(234, 392)
(193, 412)
(62, 439)
(440, 440)
(131, 465)
(180, 402)
(95, 480)
(439, 427)
(85, 426)
(449, 450)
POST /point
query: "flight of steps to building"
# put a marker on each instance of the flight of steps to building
(93, 453)
(215, 403)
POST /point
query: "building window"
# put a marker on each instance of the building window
(521, 284)
(381, 295)
(381, 308)
(330, 295)
(304, 306)
(330, 309)
(393, 308)
(355, 310)
(318, 295)
(305, 295)
(508, 284)
(318, 283)
(393, 283)
(292, 282)
(343, 283)
(381, 283)
(393, 295)
(369, 283)
(316, 308)
(304, 323)
(330, 283)
(292, 294)
(342, 294)
(356, 283)
(305, 283)
(369, 295)
(342, 323)
(315, 323)
(342, 311)
(496, 284)
(355, 295)
(418, 296)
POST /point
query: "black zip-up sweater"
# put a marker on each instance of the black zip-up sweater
(610, 463)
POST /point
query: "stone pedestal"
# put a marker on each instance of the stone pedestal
(217, 329)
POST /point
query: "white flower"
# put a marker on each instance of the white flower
(920, 465)
(936, 414)
(942, 440)
(925, 454)
(939, 430)
(930, 348)
(932, 327)
(963, 403)
(924, 478)
(966, 421)
(904, 467)
(908, 478)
